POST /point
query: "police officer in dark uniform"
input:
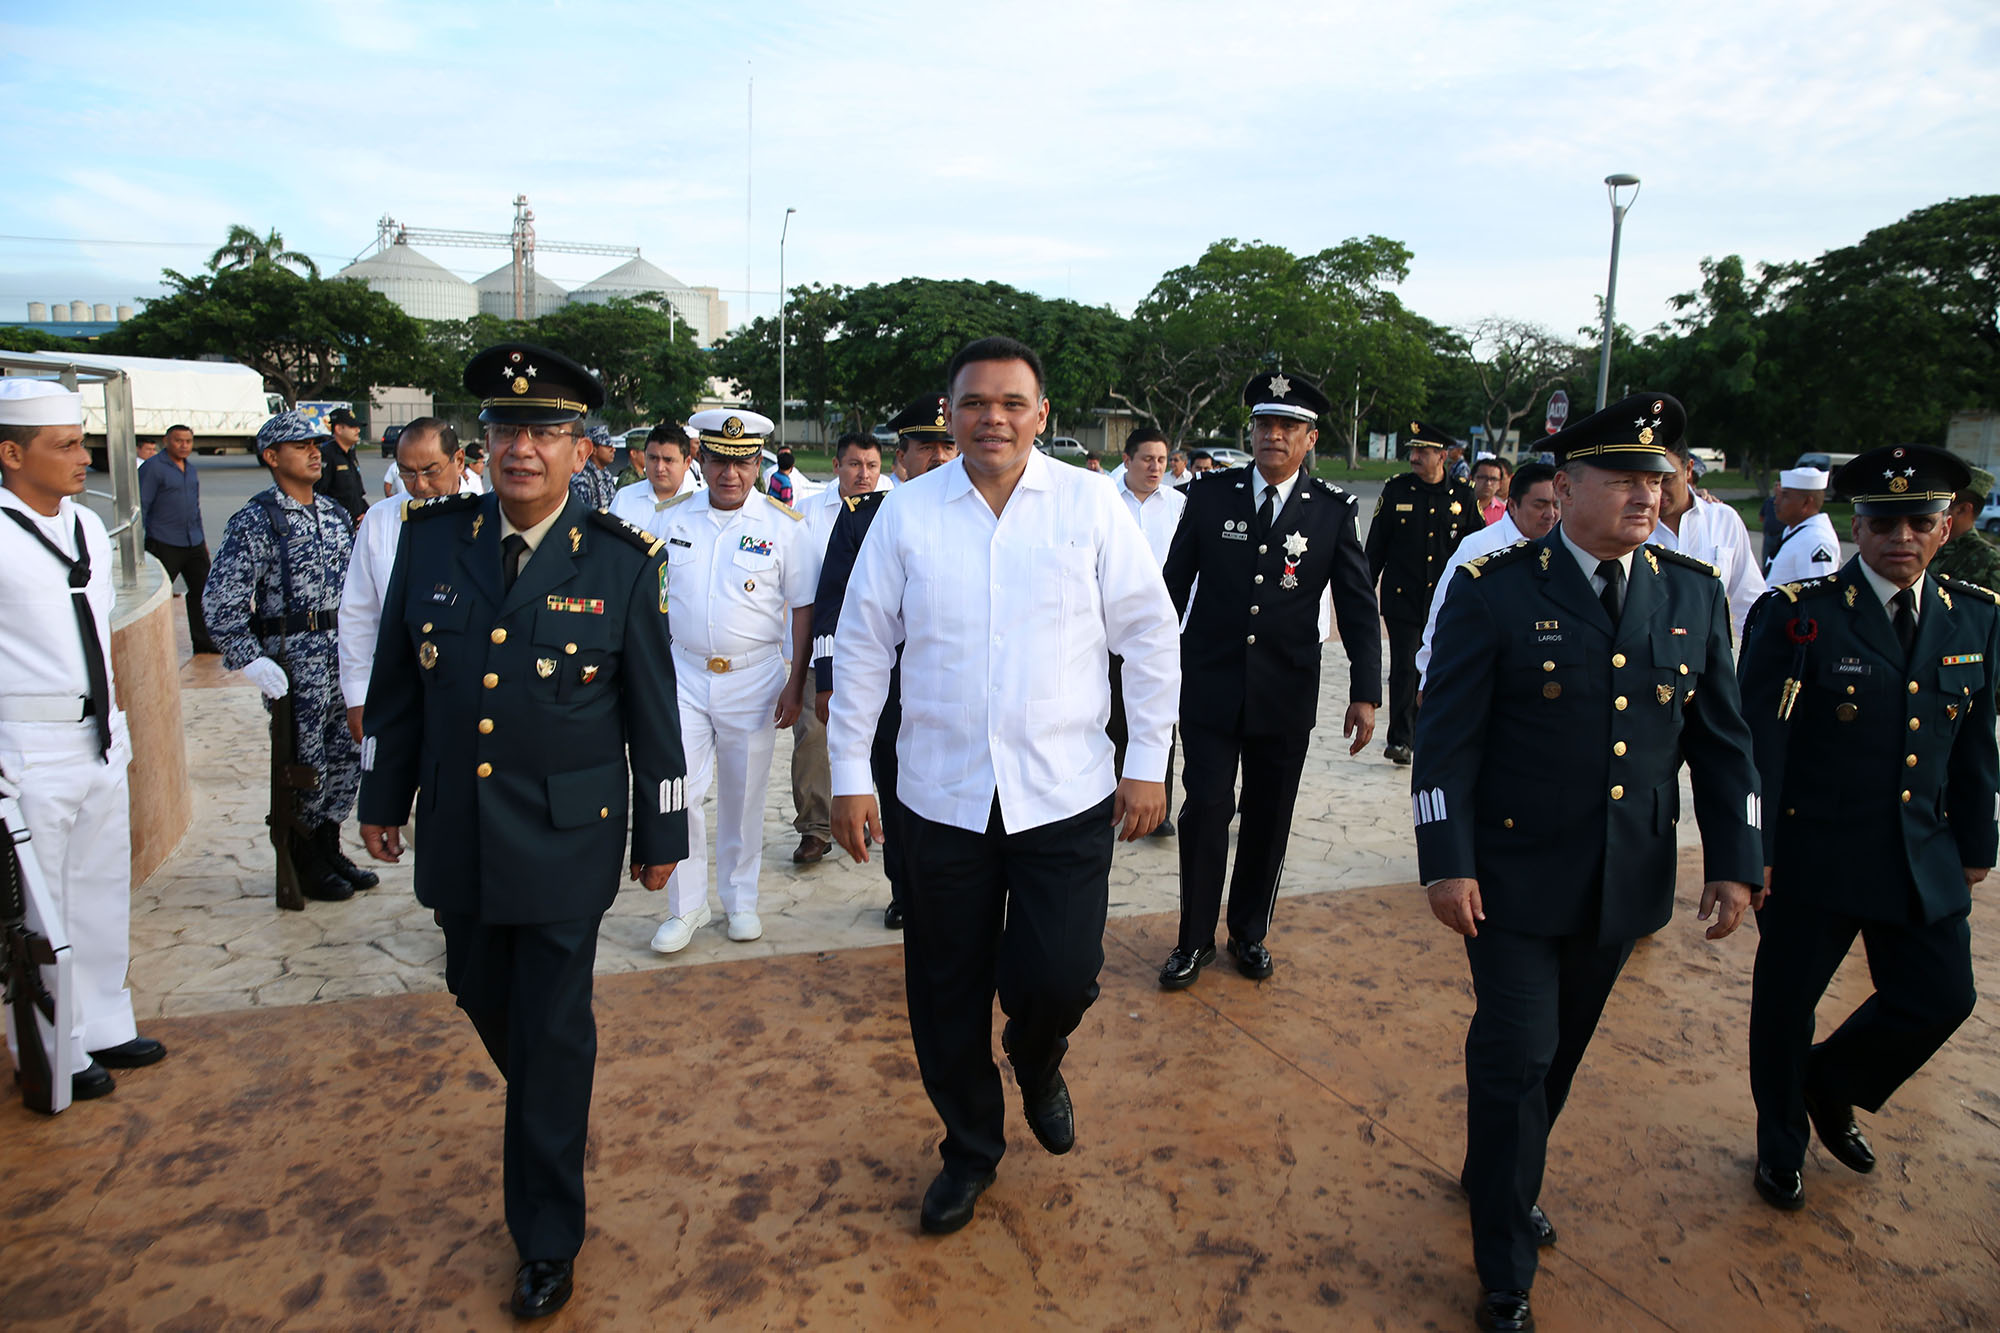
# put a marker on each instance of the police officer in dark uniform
(1418, 523)
(524, 652)
(1264, 540)
(923, 441)
(340, 478)
(1870, 694)
(1569, 678)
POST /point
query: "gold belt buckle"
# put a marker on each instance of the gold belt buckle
(718, 665)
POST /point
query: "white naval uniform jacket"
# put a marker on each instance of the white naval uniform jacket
(41, 653)
(733, 576)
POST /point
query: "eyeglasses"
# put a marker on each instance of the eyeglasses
(1885, 525)
(431, 473)
(502, 434)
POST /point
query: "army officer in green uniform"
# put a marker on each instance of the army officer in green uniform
(1870, 693)
(524, 652)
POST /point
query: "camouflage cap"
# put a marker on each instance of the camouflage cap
(287, 427)
(600, 437)
(1982, 484)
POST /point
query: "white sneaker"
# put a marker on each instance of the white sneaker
(744, 927)
(676, 932)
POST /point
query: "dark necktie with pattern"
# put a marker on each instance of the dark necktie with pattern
(1905, 619)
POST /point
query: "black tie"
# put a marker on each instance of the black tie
(1613, 575)
(1905, 619)
(512, 548)
(86, 625)
(1267, 511)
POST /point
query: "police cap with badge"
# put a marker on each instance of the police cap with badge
(1426, 437)
(1631, 435)
(1902, 479)
(927, 418)
(731, 432)
(1276, 394)
(525, 385)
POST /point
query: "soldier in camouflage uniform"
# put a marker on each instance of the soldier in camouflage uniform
(1970, 555)
(597, 484)
(269, 598)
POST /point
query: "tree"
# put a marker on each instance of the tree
(1515, 366)
(648, 362)
(244, 248)
(19, 339)
(309, 337)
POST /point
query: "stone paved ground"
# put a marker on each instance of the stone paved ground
(206, 935)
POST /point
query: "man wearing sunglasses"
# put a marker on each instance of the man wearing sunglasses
(1870, 695)
(524, 653)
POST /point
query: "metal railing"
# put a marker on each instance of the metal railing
(121, 447)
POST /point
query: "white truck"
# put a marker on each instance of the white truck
(222, 402)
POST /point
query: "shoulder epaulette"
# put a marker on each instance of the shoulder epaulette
(1331, 489)
(783, 508)
(1804, 588)
(638, 536)
(1979, 591)
(1683, 558)
(684, 495)
(865, 500)
(1492, 560)
(438, 504)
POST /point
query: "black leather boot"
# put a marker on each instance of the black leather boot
(327, 838)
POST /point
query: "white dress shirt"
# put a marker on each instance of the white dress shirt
(1485, 541)
(1008, 621)
(41, 650)
(368, 572)
(637, 504)
(1808, 551)
(1588, 563)
(1158, 515)
(1714, 532)
(1885, 591)
(733, 574)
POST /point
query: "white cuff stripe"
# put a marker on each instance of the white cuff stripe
(1428, 806)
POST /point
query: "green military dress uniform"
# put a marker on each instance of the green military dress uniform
(532, 720)
(1879, 768)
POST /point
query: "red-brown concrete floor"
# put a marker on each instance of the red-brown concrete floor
(1256, 1157)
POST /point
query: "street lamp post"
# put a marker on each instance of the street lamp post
(782, 231)
(1612, 184)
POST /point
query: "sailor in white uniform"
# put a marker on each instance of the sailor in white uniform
(741, 573)
(63, 741)
(669, 475)
(1810, 546)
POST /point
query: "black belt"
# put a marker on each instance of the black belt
(298, 622)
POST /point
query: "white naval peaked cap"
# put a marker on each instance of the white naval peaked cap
(33, 402)
(1803, 479)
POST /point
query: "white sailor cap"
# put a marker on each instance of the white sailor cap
(33, 402)
(732, 432)
(1803, 479)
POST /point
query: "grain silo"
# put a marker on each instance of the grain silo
(636, 278)
(421, 286)
(496, 294)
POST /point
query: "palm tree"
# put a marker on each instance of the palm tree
(246, 249)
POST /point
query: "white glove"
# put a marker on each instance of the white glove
(269, 677)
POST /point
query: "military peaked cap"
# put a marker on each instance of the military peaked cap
(1276, 394)
(927, 418)
(530, 386)
(1903, 479)
(1631, 435)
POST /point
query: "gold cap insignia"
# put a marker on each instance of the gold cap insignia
(520, 385)
(1898, 485)
(1646, 435)
(733, 428)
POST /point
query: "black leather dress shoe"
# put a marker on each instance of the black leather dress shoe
(94, 1080)
(1505, 1311)
(1545, 1233)
(542, 1287)
(1050, 1114)
(1183, 966)
(133, 1054)
(1839, 1135)
(1253, 960)
(1165, 830)
(1398, 755)
(948, 1203)
(1784, 1190)
(892, 917)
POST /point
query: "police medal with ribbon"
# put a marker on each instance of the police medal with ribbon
(1295, 550)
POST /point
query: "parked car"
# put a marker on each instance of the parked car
(390, 434)
(1061, 446)
(882, 435)
(1229, 458)
(1989, 517)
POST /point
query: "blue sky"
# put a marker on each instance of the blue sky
(1077, 149)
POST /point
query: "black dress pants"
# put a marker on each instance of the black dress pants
(1116, 729)
(1923, 991)
(882, 766)
(1405, 638)
(1271, 767)
(527, 991)
(1537, 1002)
(1017, 914)
(189, 563)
